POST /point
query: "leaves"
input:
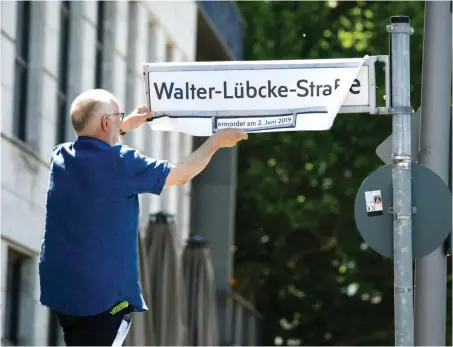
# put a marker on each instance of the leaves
(298, 252)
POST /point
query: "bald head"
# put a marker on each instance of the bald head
(89, 107)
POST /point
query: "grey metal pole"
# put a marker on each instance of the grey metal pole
(431, 271)
(400, 32)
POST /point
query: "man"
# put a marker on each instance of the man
(89, 255)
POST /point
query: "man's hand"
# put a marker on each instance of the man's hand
(136, 118)
(228, 137)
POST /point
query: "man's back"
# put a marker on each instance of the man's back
(89, 251)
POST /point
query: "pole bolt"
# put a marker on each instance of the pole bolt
(413, 209)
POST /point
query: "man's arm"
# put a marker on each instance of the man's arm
(182, 173)
(197, 161)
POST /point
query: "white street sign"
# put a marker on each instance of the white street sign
(260, 96)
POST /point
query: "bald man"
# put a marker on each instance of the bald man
(89, 255)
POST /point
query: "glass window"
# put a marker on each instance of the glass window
(21, 68)
(13, 290)
(99, 44)
(63, 71)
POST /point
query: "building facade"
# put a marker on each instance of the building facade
(52, 51)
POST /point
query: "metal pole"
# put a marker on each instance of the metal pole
(400, 31)
(431, 271)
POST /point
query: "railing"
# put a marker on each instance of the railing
(227, 22)
(241, 325)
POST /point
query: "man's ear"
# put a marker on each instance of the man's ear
(104, 123)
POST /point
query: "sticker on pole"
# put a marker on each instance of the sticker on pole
(259, 96)
(373, 201)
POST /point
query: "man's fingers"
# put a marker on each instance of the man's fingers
(242, 135)
(238, 134)
(142, 109)
(146, 115)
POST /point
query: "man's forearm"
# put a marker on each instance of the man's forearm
(193, 164)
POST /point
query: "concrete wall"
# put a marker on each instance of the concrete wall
(132, 35)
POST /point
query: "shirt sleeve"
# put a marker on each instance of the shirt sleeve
(144, 174)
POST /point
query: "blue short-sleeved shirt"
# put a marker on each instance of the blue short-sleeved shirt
(89, 252)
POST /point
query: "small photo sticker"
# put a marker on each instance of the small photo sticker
(374, 205)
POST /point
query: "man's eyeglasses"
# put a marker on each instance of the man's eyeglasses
(121, 114)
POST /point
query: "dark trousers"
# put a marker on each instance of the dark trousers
(98, 330)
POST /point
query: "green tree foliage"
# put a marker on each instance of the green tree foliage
(299, 255)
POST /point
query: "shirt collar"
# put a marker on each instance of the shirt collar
(94, 140)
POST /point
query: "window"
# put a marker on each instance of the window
(21, 68)
(62, 98)
(13, 293)
(99, 44)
